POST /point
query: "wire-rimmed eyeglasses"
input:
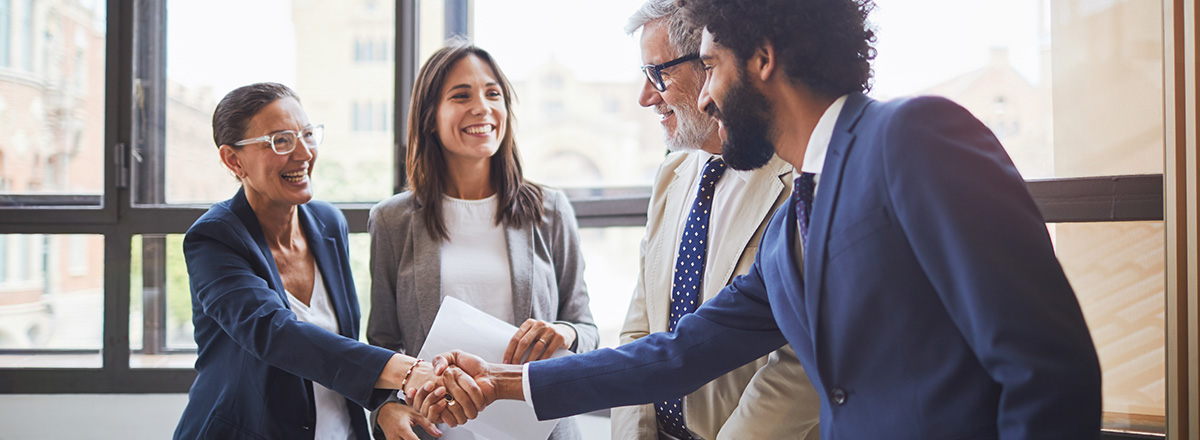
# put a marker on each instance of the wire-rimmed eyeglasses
(284, 142)
(654, 71)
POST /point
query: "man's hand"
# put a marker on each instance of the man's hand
(472, 385)
(397, 421)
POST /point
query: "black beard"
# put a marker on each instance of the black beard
(747, 119)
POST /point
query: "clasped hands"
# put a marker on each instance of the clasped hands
(458, 385)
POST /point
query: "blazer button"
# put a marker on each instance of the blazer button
(839, 396)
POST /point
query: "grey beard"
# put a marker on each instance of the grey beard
(691, 131)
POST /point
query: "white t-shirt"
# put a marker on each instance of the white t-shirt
(333, 419)
(475, 266)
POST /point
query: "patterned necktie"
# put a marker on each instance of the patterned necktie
(802, 198)
(689, 270)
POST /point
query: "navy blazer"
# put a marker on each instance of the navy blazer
(256, 360)
(930, 306)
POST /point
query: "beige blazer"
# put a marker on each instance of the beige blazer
(768, 398)
(547, 277)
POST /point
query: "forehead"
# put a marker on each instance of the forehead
(283, 114)
(710, 48)
(470, 71)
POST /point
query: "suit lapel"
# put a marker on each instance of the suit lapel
(427, 271)
(241, 207)
(752, 205)
(662, 263)
(824, 204)
(520, 258)
(324, 250)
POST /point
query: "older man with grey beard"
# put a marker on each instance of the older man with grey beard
(704, 223)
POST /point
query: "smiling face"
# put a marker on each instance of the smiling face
(684, 126)
(269, 178)
(742, 112)
(471, 112)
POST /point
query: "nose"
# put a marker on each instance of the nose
(649, 96)
(303, 152)
(479, 106)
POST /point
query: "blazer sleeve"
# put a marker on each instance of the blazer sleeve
(724, 333)
(983, 243)
(573, 300)
(383, 329)
(226, 287)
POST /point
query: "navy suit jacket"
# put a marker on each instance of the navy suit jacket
(256, 361)
(930, 305)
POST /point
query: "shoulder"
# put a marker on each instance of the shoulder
(220, 216)
(397, 206)
(554, 201)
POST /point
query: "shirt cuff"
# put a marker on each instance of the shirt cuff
(525, 385)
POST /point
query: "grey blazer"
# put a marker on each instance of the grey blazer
(547, 278)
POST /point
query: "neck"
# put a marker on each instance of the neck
(469, 181)
(280, 224)
(796, 112)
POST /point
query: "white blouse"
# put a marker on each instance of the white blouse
(333, 419)
(475, 266)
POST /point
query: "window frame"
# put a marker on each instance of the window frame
(117, 217)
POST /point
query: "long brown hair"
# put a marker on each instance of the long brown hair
(520, 202)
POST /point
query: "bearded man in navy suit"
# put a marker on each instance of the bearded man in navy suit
(911, 271)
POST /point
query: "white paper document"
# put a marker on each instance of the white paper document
(458, 326)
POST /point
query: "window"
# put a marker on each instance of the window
(5, 38)
(104, 174)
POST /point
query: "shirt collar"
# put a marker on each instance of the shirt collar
(818, 143)
(703, 162)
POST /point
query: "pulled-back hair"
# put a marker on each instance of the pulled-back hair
(824, 44)
(520, 202)
(233, 113)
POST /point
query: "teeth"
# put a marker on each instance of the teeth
(294, 176)
(479, 129)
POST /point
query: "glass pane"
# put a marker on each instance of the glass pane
(1117, 270)
(579, 123)
(51, 300)
(611, 255)
(52, 102)
(344, 78)
(1032, 70)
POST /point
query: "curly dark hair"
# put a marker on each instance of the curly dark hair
(824, 44)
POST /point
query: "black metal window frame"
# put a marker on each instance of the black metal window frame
(133, 202)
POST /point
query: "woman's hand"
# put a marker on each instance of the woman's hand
(538, 338)
(397, 421)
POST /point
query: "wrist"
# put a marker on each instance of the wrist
(508, 381)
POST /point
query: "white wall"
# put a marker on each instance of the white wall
(90, 416)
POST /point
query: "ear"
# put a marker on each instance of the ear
(229, 157)
(762, 62)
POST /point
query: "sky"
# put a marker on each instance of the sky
(227, 43)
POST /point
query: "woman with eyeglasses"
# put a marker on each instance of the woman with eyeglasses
(273, 303)
(471, 227)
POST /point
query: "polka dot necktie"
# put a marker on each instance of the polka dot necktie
(689, 270)
(802, 198)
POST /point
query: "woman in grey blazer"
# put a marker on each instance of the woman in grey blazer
(471, 227)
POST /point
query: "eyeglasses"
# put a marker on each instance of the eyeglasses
(654, 71)
(284, 142)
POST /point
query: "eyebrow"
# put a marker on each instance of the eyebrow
(468, 86)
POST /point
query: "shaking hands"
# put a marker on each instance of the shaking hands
(467, 385)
